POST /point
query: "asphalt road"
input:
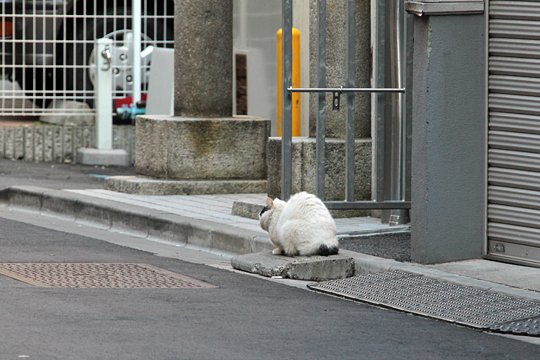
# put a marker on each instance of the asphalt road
(245, 317)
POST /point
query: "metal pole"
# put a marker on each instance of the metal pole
(286, 123)
(401, 126)
(321, 113)
(403, 112)
(400, 139)
(103, 96)
(136, 72)
(347, 90)
(351, 72)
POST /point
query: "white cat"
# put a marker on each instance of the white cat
(301, 226)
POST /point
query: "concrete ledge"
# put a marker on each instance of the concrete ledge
(312, 268)
(112, 157)
(150, 186)
(444, 7)
(251, 210)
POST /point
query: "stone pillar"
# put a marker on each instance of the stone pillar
(448, 136)
(336, 66)
(203, 58)
(203, 148)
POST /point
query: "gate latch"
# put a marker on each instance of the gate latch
(336, 99)
(107, 56)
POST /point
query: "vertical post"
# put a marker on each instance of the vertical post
(351, 72)
(400, 137)
(136, 71)
(321, 97)
(399, 83)
(103, 96)
(402, 28)
(286, 138)
(378, 43)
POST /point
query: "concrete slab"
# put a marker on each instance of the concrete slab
(313, 268)
(114, 157)
(515, 275)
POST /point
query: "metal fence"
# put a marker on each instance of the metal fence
(47, 52)
(348, 90)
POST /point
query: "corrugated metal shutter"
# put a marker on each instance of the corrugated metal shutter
(514, 131)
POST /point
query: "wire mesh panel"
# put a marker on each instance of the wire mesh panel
(47, 54)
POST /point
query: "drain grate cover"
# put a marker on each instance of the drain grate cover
(98, 275)
(443, 300)
(519, 327)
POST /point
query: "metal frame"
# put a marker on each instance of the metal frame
(485, 249)
(349, 90)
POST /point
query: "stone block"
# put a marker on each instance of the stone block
(90, 156)
(247, 209)
(191, 148)
(312, 268)
(304, 167)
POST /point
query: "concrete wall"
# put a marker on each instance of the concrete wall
(448, 146)
(58, 143)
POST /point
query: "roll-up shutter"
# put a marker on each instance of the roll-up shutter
(513, 228)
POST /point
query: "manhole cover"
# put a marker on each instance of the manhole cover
(443, 300)
(98, 275)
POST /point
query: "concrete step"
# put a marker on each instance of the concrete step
(312, 268)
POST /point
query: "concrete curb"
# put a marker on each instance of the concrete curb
(135, 220)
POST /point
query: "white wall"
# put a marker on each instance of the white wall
(255, 25)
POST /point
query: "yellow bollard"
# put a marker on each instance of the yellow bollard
(295, 81)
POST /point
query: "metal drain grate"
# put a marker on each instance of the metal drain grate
(429, 297)
(98, 275)
(519, 327)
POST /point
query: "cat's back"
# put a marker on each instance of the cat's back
(305, 206)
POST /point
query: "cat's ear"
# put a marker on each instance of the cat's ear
(269, 202)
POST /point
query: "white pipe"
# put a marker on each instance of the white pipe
(103, 96)
(136, 15)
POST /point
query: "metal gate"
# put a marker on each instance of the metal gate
(348, 90)
(47, 50)
(513, 197)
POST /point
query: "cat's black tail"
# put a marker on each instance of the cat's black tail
(327, 251)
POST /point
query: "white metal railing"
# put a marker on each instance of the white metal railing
(47, 51)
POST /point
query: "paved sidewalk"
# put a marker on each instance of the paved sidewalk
(217, 208)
